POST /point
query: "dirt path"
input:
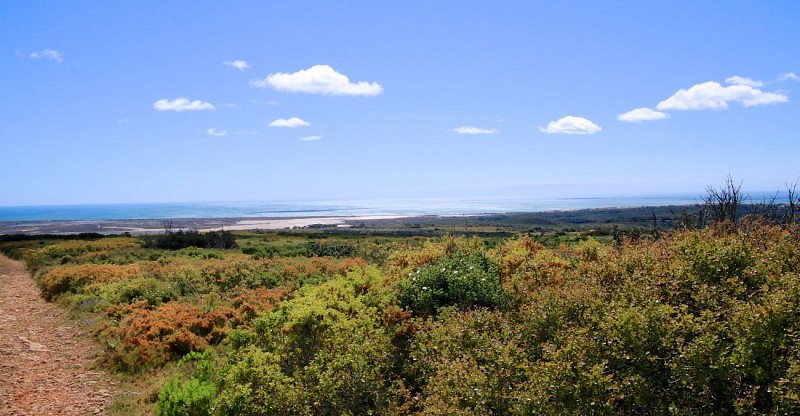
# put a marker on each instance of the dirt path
(45, 360)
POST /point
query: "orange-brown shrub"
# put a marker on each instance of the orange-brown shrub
(144, 335)
(148, 336)
(250, 303)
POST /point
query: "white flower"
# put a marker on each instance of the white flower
(424, 287)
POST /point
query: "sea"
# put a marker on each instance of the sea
(347, 208)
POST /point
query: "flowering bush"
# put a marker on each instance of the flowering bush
(404, 261)
(463, 281)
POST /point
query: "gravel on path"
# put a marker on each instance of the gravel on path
(46, 361)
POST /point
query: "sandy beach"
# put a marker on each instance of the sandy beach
(284, 223)
(134, 226)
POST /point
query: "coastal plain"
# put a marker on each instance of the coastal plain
(581, 219)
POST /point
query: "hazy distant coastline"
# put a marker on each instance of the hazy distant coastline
(323, 208)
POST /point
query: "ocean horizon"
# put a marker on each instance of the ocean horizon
(342, 208)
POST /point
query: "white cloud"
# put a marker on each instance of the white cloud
(230, 105)
(48, 54)
(712, 95)
(737, 80)
(319, 79)
(181, 104)
(309, 138)
(571, 125)
(238, 64)
(788, 75)
(642, 114)
(215, 132)
(290, 122)
(473, 130)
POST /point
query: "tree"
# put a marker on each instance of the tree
(794, 203)
(723, 203)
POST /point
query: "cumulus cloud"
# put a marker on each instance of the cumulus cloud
(737, 80)
(215, 132)
(181, 104)
(787, 76)
(238, 64)
(309, 138)
(712, 95)
(642, 114)
(473, 130)
(48, 54)
(571, 125)
(289, 122)
(319, 79)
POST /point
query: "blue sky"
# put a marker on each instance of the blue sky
(116, 102)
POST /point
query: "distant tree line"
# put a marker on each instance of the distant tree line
(33, 237)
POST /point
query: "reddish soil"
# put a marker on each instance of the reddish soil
(45, 359)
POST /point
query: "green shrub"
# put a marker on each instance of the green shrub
(262, 252)
(185, 398)
(335, 248)
(470, 362)
(326, 351)
(155, 292)
(192, 396)
(463, 281)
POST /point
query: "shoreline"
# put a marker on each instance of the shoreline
(151, 226)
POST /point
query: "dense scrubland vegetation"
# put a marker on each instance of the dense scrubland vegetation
(701, 319)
